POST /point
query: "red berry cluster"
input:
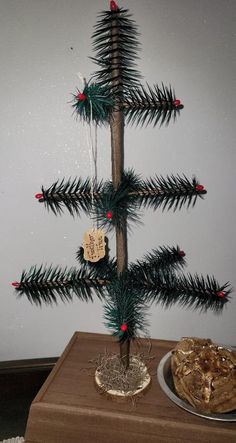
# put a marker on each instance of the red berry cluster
(109, 215)
(199, 187)
(176, 102)
(15, 284)
(38, 196)
(124, 327)
(81, 97)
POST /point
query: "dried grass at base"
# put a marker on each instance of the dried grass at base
(114, 377)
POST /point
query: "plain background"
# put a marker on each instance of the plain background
(44, 44)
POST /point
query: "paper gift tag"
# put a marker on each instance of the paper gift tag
(94, 245)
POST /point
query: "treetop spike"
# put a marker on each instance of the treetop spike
(113, 6)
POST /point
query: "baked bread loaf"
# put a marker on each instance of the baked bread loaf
(204, 374)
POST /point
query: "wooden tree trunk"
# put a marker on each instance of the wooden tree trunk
(117, 160)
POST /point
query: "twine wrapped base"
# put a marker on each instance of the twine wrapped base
(112, 378)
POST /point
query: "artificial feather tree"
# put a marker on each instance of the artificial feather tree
(112, 97)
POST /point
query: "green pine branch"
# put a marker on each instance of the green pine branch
(153, 280)
(151, 106)
(121, 203)
(203, 293)
(115, 85)
(167, 288)
(172, 192)
(141, 107)
(116, 62)
(94, 104)
(78, 195)
(124, 307)
(164, 259)
(48, 285)
(74, 195)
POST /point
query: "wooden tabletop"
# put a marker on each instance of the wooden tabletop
(69, 409)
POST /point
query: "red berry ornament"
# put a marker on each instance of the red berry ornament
(123, 327)
(176, 102)
(199, 188)
(38, 196)
(220, 294)
(182, 253)
(15, 284)
(81, 97)
(113, 6)
(109, 215)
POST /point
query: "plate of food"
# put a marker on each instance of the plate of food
(200, 377)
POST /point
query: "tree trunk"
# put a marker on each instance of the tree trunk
(117, 160)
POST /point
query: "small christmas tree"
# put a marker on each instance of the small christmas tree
(113, 96)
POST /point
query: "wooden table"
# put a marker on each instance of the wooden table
(69, 409)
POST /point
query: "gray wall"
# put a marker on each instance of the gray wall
(188, 43)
